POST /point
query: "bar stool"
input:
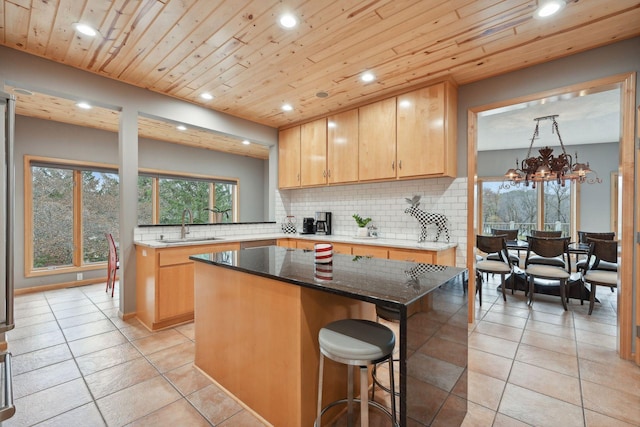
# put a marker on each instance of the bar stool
(390, 315)
(362, 343)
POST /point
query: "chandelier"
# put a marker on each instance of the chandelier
(547, 167)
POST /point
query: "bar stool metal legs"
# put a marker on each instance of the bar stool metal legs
(359, 343)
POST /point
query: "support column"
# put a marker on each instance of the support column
(128, 172)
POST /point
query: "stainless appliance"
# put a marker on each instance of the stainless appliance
(323, 223)
(308, 226)
(7, 203)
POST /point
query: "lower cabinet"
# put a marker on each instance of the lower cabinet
(164, 283)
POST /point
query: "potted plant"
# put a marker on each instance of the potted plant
(220, 212)
(362, 225)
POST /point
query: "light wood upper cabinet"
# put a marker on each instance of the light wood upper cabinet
(426, 132)
(289, 158)
(377, 140)
(313, 149)
(342, 147)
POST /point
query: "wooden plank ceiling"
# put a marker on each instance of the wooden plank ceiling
(237, 51)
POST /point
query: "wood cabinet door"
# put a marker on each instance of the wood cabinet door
(411, 256)
(175, 290)
(421, 137)
(289, 157)
(342, 147)
(313, 153)
(377, 140)
(372, 251)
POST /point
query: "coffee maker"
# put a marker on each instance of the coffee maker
(323, 223)
(308, 226)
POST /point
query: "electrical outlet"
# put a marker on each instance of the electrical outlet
(79, 276)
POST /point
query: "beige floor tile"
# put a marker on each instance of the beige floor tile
(242, 419)
(538, 409)
(96, 343)
(31, 330)
(40, 358)
(550, 383)
(84, 416)
(594, 419)
(178, 413)
(43, 378)
(490, 344)
(606, 341)
(76, 311)
(188, 330)
(489, 364)
(173, 357)
(119, 377)
(81, 319)
(34, 320)
(613, 403)
(599, 354)
(597, 327)
(214, 404)
(135, 402)
(103, 359)
(65, 305)
(134, 331)
(500, 331)
(554, 361)
(159, 341)
(452, 413)
(478, 416)
(549, 342)
(22, 313)
(505, 319)
(88, 329)
(622, 377)
(504, 421)
(485, 390)
(48, 403)
(187, 379)
(35, 342)
(561, 331)
(564, 319)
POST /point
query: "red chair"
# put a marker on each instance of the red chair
(112, 265)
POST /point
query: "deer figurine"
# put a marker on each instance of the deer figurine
(426, 218)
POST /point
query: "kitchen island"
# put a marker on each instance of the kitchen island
(258, 312)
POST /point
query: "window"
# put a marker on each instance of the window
(549, 206)
(71, 205)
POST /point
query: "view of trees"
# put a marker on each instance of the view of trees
(502, 206)
(54, 200)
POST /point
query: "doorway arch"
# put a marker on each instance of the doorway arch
(626, 83)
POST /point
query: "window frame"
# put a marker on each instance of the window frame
(574, 225)
(79, 166)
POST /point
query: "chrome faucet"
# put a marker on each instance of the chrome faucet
(184, 230)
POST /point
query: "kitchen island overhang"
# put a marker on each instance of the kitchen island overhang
(258, 312)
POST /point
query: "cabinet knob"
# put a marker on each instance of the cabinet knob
(393, 165)
(329, 173)
(324, 174)
(400, 164)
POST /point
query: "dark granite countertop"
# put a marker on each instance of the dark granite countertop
(379, 281)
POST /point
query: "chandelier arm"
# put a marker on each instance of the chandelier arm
(533, 138)
(557, 131)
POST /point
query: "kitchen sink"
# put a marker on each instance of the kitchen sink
(190, 240)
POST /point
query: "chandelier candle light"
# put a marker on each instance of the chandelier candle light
(547, 167)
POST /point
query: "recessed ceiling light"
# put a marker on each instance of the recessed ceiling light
(245, 142)
(207, 96)
(288, 20)
(287, 107)
(83, 105)
(322, 94)
(405, 103)
(331, 124)
(367, 77)
(549, 7)
(85, 29)
(181, 127)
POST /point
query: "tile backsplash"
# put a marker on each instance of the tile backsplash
(385, 203)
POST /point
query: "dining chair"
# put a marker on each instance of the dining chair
(501, 266)
(511, 235)
(551, 248)
(583, 237)
(113, 264)
(546, 233)
(555, 261)
(600, 251)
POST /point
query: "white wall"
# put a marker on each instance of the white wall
(385, 203)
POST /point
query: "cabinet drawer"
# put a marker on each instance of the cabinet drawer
(305, 244)
(371, 251)
(341, 248)
(413, 256)
(174, 256)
